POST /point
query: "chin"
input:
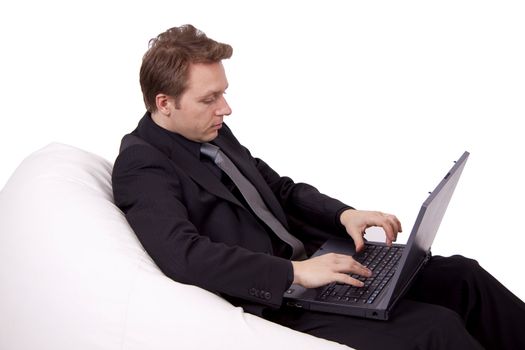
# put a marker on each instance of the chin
(210, 137)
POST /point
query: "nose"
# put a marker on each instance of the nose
(224, 108)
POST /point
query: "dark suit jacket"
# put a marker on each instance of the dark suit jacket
(199, 233)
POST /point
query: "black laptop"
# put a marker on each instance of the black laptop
(394, 267)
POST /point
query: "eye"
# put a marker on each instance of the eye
(209, 100)
(212, 98)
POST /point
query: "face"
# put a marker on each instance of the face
(201, 108)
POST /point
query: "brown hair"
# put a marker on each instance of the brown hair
(165, 65)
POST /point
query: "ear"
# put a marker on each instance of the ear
(165, 104)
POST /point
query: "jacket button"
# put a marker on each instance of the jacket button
(267, 295)
(253, 291)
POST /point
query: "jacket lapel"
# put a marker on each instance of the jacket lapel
(229, 145)
(201, 174)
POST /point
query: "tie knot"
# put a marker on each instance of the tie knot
(209, 150)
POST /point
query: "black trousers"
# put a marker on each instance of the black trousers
(453, 304)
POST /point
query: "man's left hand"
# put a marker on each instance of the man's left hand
(357, 221)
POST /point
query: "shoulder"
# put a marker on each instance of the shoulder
(142, 174)
(137, 155)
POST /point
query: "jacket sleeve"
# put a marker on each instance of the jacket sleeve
(148, 190)
(302, 200)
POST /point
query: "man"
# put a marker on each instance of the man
(181, 181)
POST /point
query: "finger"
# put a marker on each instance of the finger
(398, 223)
(348, 264)
(346, 279)
(392, 226)
(361, 270)
(358, 239)
(389, 232)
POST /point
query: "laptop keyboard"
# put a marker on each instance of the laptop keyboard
(382, 260)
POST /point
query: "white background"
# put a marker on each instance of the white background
(370, 101)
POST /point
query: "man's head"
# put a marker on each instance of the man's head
(183, 82)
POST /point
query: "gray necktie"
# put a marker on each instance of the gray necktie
(253, 198)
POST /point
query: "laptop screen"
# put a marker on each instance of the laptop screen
(427, 224)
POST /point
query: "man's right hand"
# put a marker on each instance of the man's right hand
(328, 268)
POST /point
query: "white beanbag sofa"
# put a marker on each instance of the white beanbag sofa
(74, 276)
